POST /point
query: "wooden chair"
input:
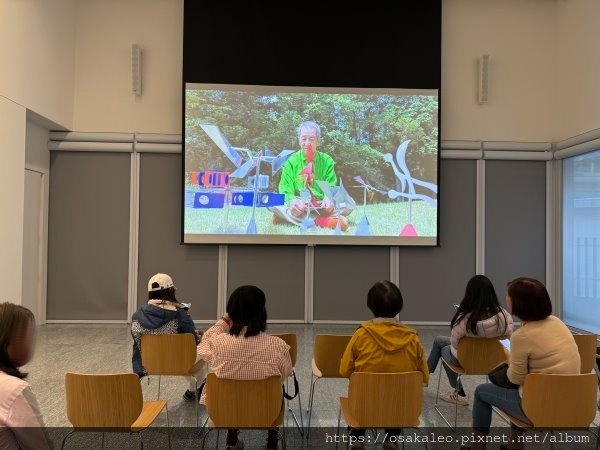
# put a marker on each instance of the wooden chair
(558, 401)
(252, 404)
(292, 340)
(477, 356)
(327, 354)
(171, 355)
(587, 343)
(111, 402)
(383, 400)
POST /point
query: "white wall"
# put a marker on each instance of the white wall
(37, 41)
(12, 164)
(105, 32)
(519, 36)
(578, 67)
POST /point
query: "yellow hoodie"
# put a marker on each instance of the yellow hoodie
(384, 346)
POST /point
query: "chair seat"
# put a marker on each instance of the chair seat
(315, 370)
(454, 368)
(150, 411)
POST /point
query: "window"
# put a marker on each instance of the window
(581, 241)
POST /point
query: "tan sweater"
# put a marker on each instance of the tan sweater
(542, 346)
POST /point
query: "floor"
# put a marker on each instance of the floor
(107, 348)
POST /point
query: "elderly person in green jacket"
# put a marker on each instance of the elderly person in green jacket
(302, 171)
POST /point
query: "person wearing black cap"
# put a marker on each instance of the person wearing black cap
(237, 347)
(163, 314)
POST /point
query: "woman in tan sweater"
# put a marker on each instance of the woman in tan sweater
(543, 344)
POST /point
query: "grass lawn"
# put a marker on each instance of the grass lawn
(386, 219)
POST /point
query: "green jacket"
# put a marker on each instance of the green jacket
(292, 181)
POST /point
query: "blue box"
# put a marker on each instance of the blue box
(209, 200)
(264, 199)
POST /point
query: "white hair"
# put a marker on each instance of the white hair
(309, 124)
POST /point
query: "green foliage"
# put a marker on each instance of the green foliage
(357, 130)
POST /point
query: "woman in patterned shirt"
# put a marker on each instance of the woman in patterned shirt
(238, 348)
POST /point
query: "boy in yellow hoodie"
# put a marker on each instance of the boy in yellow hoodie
(384, 345)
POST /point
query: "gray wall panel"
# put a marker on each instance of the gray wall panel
(194, 268)
(432, 279)
(515, 221)
(343, 277)
(277, 270)
(88, 242)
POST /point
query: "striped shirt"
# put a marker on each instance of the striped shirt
(244, 358)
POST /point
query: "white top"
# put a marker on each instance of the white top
(21, 424)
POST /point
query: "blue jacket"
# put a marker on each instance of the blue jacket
(158, 317)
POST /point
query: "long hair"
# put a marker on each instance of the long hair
(13, 321)
(479, 303)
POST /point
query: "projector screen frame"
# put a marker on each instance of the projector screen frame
(311, 239)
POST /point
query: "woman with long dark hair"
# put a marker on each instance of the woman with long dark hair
(478, 315)
(237, 347)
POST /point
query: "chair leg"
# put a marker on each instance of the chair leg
(300, 409)
(217, 442)
(436, 406)
(337, 431)
(168, 426)
(62, 445)
(310, 406)
(283, 439)
(205, 436)
(141, 440)
(299, 425)
(203, 427)
(102, 441)
(196, 400)
(456, 403)
(158, 395)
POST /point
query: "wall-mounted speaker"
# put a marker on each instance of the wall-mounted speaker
(484, 73)
(136, 69)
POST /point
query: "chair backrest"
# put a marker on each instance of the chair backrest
(113, 401)
(586, 344)
(386, 400)
(327, 353)
(168, 354)
(553, 401)
(243, 403)
(292, 340)
(478, 356)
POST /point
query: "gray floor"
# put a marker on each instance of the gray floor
(107, 349)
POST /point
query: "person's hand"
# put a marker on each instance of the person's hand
(227, 319)
(297, 207)
(328, 205)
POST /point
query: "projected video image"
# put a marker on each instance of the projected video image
(275, 161)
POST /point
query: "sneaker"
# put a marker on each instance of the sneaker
(239, 445)
(389, 445)
(189, 395)
(454, 397)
